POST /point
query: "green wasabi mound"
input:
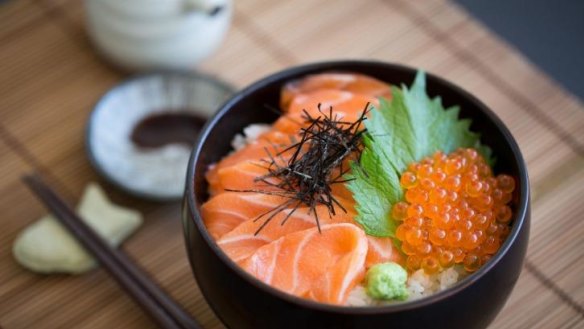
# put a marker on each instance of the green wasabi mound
(387, 281)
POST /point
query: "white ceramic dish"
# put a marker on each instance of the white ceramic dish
(152, 174)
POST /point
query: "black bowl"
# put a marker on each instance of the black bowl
(241, 301)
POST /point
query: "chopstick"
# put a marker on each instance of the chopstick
(153, 300)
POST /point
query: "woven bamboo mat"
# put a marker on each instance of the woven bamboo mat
(50, 78)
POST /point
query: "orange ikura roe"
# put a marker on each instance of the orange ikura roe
(455, 211)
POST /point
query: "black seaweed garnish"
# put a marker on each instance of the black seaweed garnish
(317, 162)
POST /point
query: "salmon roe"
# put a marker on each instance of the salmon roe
(455, 211)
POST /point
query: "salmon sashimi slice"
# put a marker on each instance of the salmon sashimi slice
(244, 177)
(225, 211)
(325, 266)
(247, 237)
(346, 107)
(382, 250)
(268, 144)
(355, 83)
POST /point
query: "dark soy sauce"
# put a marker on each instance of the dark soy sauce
(166, 128)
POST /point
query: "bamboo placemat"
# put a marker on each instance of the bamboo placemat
(50, 78)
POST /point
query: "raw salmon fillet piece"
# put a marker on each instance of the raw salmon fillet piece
(355, 83)
(382, 250)
(346, 106)
(243, 176)
(323, 266)
(244, 240)
(270, 143)
(225, 211)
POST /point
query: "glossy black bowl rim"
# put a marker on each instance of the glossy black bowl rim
(519, 218)
(97, 166)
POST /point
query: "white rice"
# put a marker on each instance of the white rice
(250, 134)
(419, 285)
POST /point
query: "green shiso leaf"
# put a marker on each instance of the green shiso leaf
(405, 129)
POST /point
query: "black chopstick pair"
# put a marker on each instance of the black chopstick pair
(153, 300)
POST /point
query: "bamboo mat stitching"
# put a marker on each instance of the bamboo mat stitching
(467, 57)
(279, 51)
(425, 46)
(23, 29)
(28, 157)
(435, 10)
(564, 296)
(56, 14)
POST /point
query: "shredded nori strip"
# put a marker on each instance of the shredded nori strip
(317, 162)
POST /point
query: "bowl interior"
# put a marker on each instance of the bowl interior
(252, 106)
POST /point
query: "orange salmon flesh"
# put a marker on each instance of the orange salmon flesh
(295, 257)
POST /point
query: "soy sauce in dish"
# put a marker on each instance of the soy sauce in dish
(158, 130)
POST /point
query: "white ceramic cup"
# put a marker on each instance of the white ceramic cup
(157, 34)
